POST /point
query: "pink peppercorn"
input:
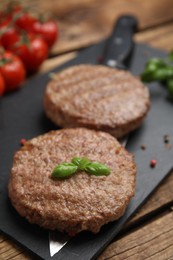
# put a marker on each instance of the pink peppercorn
(100, 59)
(153, 163)
(22, 141)
(71, 234)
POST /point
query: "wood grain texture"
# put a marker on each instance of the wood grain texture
(160, 37)
(82, 23)
(151, 241)
(56, 61)
(161, 196)
(91, 21)
(9, 250)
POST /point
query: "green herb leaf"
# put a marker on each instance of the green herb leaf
(64, 170)
(163, 74)
(97, 169)
(158, 69)
(81, 162)
(151, 69)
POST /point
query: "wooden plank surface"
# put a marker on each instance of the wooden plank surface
(151, 241)
(148, 235)
(84, 22)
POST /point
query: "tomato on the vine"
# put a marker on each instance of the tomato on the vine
(25, 21)
(12, 70)
(8, 36)
(9, 12)
(32, 51)
(2, 85)
(48, 30)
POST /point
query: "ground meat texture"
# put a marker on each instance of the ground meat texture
(81, 202)
(96, 97)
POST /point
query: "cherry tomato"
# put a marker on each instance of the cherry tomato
(9, 36)
(47, 30)
(2, 85)
(25, 21)
(12, 70)
(33, 51)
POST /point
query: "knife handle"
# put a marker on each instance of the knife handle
(120, 43)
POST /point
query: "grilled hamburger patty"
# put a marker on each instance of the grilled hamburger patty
(82, 202)
(97, 97)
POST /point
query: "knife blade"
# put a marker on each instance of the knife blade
(121, 44)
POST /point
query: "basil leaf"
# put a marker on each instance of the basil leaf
(76, 160)
(158, 69)
(155, 63)
(163, 74)
(97, 169)
(155, 69)
(81, 162)
(64, 170)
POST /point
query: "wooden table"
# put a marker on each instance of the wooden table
(149, 234)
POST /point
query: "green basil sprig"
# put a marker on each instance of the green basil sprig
(97, 169)
(159, 69)
(65, 170)
(81, 162)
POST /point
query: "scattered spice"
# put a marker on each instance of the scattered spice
(168, 146)
(166, 138)
(153, 163)
(100, 59)
(143, 147)
(71, 234)
(22, 141)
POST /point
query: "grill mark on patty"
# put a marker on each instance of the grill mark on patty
(106, 100)
(95, 91)
(77, 77)
(83, 86)
(102, 95)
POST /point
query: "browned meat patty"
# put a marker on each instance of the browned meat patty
(97, 97)
(82, 202)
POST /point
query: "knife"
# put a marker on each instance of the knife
(121, 45)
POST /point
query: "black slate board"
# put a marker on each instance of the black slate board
(22, 116)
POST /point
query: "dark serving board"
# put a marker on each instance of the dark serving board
(22, 116)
